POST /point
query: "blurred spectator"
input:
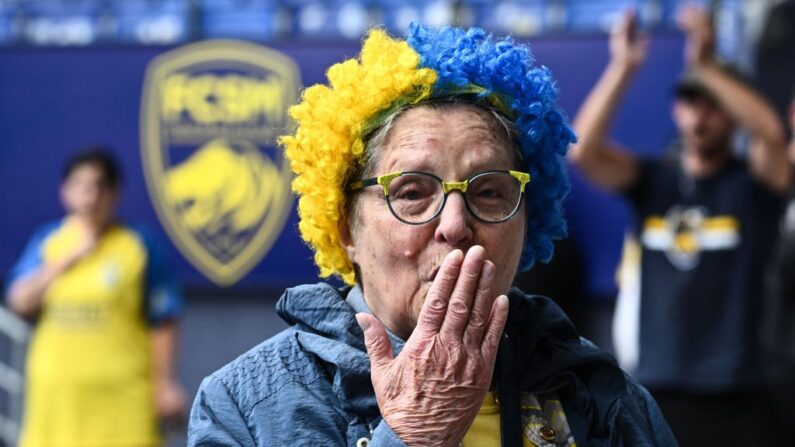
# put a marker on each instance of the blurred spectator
(706, 226)
(791, 121)
(780, 314)
(100, 368)
(627, 310)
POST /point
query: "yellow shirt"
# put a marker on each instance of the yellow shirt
(543, 420)
(485, 430)
(89, 372)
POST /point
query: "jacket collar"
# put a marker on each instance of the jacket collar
(327, 330)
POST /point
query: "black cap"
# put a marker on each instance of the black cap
(690, 86)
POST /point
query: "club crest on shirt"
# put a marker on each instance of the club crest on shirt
(110, 275)
(210, 116)
(684, 233)
(544, 421)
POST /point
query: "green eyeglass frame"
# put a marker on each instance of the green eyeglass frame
(385, 180)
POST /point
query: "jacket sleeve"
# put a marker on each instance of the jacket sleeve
(383, 436)
(215, 419)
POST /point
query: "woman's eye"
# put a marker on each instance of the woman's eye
(488, 193)
(411, 194)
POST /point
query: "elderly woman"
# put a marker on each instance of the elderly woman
(429, 172)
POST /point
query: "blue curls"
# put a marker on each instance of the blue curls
(505, 69)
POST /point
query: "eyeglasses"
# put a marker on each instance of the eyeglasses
(418, 197)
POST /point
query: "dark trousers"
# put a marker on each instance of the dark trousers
(699, 420)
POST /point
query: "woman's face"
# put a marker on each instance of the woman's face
(398, 262)
(85, 193)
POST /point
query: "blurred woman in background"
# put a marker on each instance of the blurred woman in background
(101, 366)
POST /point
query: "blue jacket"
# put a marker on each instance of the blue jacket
(310, 384)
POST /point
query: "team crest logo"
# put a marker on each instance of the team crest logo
(210, 116)
(684, 233)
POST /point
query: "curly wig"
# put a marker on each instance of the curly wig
(333, 120)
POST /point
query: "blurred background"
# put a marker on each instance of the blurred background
(153, 22)
(72, 73)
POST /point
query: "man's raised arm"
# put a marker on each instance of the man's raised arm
(597, 157)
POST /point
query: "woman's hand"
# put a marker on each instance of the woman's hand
(430, 393)
(89, 239)
(26, 295)
(170, 401)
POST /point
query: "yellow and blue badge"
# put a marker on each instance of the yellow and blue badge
(544, 421)
(686, 232)
(210, 116)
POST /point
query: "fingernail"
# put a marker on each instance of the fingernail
(477, 249)
(363, 321)
(455, 256)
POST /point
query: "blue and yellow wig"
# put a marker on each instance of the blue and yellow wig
(334, 119)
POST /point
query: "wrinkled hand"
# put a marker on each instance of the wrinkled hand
(170, 402)
(430, 393)
(628, 47)
(697, 26)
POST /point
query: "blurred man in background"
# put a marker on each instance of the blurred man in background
(100, 368)
(706, 225)
(779, 327)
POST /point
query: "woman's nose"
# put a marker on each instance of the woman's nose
(455, 222)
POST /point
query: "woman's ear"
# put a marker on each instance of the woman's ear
(346, 238)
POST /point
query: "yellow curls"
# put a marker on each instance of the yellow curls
(328, 144)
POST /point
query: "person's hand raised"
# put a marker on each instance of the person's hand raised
(431, 392)
(697, 26)
(628, 46)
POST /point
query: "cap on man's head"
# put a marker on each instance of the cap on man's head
(689, 86)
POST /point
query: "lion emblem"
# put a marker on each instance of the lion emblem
(222, 191)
